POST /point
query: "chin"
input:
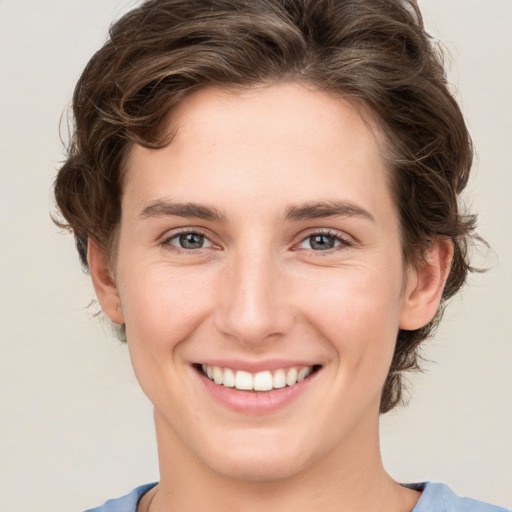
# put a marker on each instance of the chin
(259, 468)
(258, 459)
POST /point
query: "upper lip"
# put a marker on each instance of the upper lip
(256, 366)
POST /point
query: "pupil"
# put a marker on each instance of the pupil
(191, 240)
(322, 242)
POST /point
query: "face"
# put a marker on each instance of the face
(261, 249)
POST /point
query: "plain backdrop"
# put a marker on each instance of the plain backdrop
(74, 427)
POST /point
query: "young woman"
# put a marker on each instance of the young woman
(265, 195)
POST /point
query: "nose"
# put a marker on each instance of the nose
(253, 306)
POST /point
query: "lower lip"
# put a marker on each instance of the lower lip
(256, 402)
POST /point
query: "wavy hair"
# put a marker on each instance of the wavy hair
(375, 52)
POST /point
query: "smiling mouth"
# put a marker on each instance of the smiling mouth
(260, 381)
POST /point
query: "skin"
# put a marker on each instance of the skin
(259, 289)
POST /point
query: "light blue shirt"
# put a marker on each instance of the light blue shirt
(440, 498)
(434, 498)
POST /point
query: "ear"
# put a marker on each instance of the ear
(425, 285)
(104, 283)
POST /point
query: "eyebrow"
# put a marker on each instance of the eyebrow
(164, 208)
(323, 209)
(310, 210)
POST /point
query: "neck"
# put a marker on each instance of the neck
(350, 477)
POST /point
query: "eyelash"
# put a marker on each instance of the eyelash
(167, 241)
(342, 242)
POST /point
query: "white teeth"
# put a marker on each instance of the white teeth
(291, 376)
(279, 380)
(260, 381)
(229, 378)
(243, 380)
(303, 373)
(218, 375)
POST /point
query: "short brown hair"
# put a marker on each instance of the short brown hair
(373, 51)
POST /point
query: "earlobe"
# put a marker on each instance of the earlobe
(425, 285)
(104, 283)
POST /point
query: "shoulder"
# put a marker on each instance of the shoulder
(439, 497)
(126, 503)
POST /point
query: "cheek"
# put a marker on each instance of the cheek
(161, 308)
(357, 312)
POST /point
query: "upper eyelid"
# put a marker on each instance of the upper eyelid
(165, 239)
(345, 242)
(171, 233)
(340, 235)
(345, 238)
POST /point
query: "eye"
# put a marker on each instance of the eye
(323, 242)
(188, 240)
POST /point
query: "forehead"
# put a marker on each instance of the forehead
(293, 112)
(283, 141)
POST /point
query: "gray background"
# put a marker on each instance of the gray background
(74, 427)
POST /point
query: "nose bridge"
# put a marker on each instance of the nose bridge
(253, 307)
